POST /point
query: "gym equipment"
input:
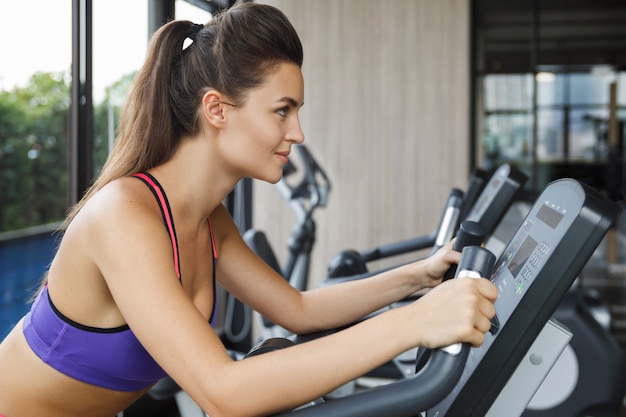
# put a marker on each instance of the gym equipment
(482, 203)
(587, 379)
(557, 238)
(534, 273)
(470, 234)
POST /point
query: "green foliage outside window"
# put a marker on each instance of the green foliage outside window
(34, 137)
(33, 149)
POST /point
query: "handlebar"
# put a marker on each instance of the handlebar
(403, 398)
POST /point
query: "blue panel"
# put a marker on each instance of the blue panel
(23, 261)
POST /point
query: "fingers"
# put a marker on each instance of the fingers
(458, 310)
(488, 289)
(477, 296)
(485, 310)
(441, 261)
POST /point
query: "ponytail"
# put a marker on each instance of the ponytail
(233, 53)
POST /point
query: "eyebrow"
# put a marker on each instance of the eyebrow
(292, 102)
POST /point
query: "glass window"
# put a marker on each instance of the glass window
(187, 11)
(508, 92)
(34, 112)
(572, 112)
(550, 135)
(507, 127)
(587, 130)
(507, 137)
(120, 39)
(591, 87)
(551, 88)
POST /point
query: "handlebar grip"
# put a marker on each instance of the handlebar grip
(476, 262)
(449, 220)
(470, 234)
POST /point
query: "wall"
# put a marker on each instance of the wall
(386, 114)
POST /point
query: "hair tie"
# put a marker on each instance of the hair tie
(191, 37)
(194, 31)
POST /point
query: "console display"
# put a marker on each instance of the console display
(549, 216)
(522, 255)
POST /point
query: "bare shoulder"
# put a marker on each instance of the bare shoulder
(116, 216)
(122, 194)
(121, 201)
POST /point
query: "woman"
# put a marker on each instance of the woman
(131, 290)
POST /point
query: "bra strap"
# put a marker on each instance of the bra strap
(164, 205)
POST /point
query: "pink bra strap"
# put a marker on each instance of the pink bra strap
(165, 210)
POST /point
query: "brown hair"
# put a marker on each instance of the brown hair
(233, 53)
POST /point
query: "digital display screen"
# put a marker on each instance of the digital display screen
(549, 216)
(522, 254)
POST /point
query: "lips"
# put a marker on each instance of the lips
(283, 156)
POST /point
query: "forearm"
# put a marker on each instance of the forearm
(336, 305)
(284, 379)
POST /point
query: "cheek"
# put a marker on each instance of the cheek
(262, 133)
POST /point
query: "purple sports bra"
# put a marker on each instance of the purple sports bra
(111, 358)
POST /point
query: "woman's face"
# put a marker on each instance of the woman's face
(261, 131)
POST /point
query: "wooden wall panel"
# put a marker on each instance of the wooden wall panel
(386, 114)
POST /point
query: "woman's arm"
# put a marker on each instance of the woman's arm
(243, 274)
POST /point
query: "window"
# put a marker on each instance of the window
(34, 113)
(543, 71)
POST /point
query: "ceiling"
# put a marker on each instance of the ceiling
(521, 35)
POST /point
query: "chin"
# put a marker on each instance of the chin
(274, 180)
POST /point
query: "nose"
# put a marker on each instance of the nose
(295, 133)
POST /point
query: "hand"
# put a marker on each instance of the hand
(439, 263)
(459, 310)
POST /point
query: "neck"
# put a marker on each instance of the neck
(195, 180)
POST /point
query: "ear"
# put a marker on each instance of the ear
(213, 108)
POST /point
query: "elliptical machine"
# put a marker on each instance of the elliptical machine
(533, 274)
(585, 379)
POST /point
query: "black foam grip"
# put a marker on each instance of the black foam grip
(477, 259)
(470, 234)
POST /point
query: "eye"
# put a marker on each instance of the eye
(283, 111)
